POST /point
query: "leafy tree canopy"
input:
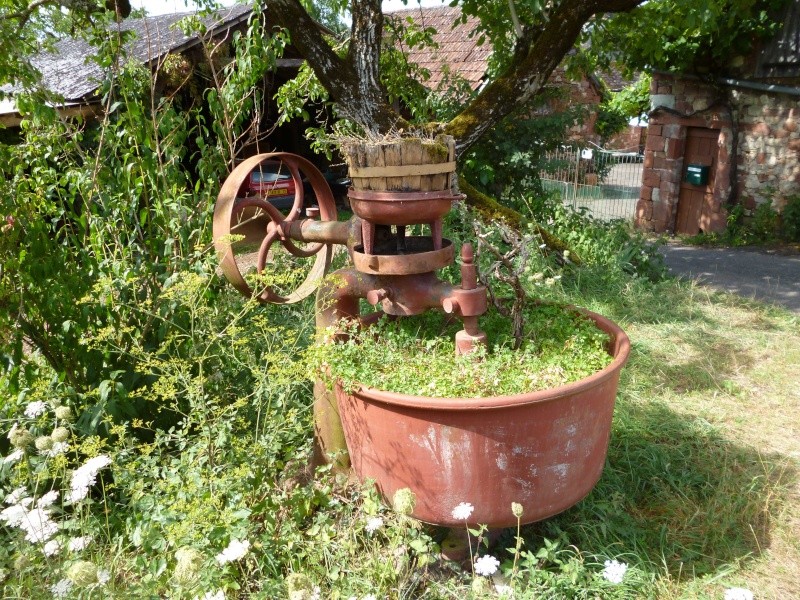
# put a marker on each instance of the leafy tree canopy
(681, 35)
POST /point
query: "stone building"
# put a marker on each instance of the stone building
(714, 143)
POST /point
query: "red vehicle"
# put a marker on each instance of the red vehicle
(273, 181)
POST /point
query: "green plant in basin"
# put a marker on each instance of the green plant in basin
(416, 355)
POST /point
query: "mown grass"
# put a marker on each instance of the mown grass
(702, 468)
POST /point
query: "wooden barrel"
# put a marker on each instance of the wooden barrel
(402, 164)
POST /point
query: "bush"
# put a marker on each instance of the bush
(790, 220)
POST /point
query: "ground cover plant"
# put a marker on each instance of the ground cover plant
(416, 355)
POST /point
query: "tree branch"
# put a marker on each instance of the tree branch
(354, 84)
(25, 14)
(530, 70)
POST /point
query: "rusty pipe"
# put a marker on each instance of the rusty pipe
(329, 232)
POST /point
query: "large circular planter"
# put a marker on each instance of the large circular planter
(544, 450)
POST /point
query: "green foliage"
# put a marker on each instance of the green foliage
(201, 400)
(416, 355)
(503, 163)
(101, 217)
(790, 219)
(764, 225)
(680, 35)
(616, 111)
(611, 245)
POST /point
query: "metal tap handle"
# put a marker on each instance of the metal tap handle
(469, 272)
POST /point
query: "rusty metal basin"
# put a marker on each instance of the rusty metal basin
(400, 208)
(544, 450)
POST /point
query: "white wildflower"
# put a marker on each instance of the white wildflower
(317, 593)
(13, 457)
(61, 589)
(614, 571)
(77, 544)
(218, 595)
(374, 524)
(35, 408)
(13, 515)
(56, 449)
(234, 551)
(84, 477)
(52, 547)
(104, 576)
(38, 526)
(503, 590)
(738, 594)
(486, 565)
(15, 496)
(370, 597)
(463, 511)
(47, 499)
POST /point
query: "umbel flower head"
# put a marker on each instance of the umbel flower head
(373, 524)
(20, 437)
(299, 586)
(235, 550)
(404, 501)
(35, 408)
(188, 562)
(486, 565)
(60, 434)
(64, 413)
(463, 511)
(84, 477)
(82, 573)
(738, 593)
(43, 443)
(614, 571)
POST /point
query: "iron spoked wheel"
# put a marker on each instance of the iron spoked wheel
(246, 231)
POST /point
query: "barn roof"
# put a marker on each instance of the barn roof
(69, 70)
(458, 50)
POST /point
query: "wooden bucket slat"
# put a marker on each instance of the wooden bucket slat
(403, 165)
(440, 169)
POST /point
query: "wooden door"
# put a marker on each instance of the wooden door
(702, 147)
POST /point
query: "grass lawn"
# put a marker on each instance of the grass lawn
(706, 443)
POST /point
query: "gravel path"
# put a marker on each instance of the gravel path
(757, 274)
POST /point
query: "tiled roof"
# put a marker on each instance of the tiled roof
(70, 72)
(457, 51)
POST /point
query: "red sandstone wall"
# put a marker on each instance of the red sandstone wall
(767, 159)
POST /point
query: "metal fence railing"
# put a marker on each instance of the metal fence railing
(606, 183)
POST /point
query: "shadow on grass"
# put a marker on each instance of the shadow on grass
(675, 495)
